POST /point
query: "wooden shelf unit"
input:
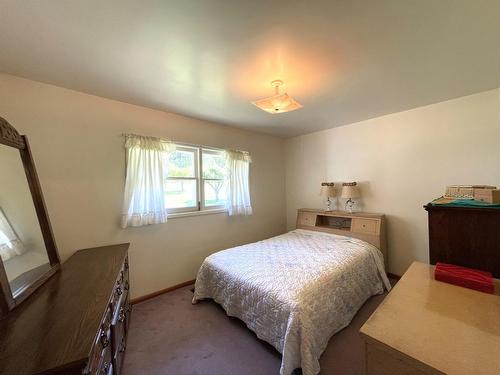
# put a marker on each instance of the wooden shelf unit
(369, 227)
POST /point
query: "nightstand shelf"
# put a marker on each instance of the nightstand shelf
(334, 227)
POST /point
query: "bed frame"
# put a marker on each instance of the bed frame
(368, 227)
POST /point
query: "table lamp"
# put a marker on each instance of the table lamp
(328, 191)
(349, 191)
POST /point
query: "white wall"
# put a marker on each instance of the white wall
(403, 161)
(79, 154)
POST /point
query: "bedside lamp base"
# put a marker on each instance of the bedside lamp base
(349, 205)
(330, 205)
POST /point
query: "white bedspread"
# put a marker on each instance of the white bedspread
(294, 290)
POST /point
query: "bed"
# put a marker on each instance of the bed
(295, 291)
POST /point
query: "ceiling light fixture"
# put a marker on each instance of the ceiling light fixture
(278, 103)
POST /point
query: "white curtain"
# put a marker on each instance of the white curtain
(10, 244)
(144, 200)
(238, 200)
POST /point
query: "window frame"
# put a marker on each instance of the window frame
(194, 151)
(204, 207)
(200, 207)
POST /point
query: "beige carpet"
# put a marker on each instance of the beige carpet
(169, 335)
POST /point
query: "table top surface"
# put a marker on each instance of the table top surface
(452, 329)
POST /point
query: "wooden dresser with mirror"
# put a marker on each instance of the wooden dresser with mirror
(69, 318)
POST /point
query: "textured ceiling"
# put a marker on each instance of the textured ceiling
(345, 61)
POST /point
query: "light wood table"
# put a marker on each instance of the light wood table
(429, 327)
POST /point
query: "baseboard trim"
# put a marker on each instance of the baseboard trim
(133, 301)
(393, 276)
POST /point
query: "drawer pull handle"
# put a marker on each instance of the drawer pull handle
(104, 340)
(121, 315)
(105, 368)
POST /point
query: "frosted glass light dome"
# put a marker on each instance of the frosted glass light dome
(278, 103)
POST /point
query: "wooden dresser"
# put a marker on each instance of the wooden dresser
(368, 227)
(76, 323)
(429, 327)
(465, 236)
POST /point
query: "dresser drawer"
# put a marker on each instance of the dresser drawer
(118, 352)
(382, 361)
(368, 226)
(102, 348)
(120, 319)
(106, 364)
(125, 278)
(119, 330)
(306, 219)
(124, 272)
(121, 289)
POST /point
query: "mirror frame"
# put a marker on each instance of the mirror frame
(9, 136)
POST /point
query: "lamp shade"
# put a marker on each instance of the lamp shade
(328, 190)
(350, 190)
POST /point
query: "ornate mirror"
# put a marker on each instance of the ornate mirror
(28, 253)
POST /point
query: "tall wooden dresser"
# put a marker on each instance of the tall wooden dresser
(465, 236)
(76, 323)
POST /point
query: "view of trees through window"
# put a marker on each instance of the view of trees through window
(214, 178)
(181, 164)
(195, 175)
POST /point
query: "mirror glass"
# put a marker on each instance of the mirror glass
(22, 248)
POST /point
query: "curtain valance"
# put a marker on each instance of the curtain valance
(148, 143)
(238, 155)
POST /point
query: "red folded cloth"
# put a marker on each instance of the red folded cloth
(465, 277)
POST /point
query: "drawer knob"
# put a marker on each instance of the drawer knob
(105, 326)
(121, 315)
(105, 368)
(104, 340)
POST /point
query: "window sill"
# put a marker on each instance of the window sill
(197, 213)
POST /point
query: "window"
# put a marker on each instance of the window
(214, 178)
(164, 178)
(196, 179)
